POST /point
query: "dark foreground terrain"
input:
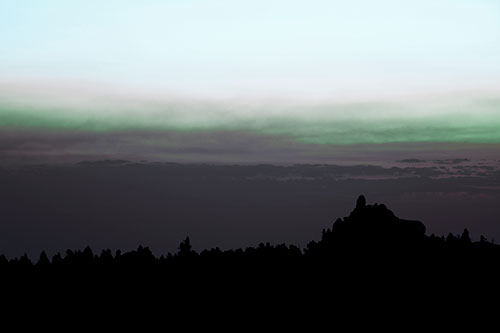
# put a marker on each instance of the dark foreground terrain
(370, 257)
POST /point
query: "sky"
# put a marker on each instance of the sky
(308, 72)
(316, 48)
(121, 204)
(397, 99)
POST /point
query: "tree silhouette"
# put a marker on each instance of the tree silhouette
(185, 247)
(43, 261)
(465, 238)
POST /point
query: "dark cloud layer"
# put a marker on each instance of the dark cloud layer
(452, 161)
(411, 160)
(21, 146)
(438, 161)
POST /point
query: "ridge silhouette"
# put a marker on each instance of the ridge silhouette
(369, 252)
(367, 227)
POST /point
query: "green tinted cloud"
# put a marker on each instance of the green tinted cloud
(476, 121)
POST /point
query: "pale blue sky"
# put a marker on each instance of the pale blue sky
(266, 47)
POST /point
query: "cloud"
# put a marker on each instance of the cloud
(73, 124)
(452, 161)
(104, 162)
(467, 118)
(411, 160)
(25, 145)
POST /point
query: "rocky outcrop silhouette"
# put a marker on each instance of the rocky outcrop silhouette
(370, 233)
(375, 224)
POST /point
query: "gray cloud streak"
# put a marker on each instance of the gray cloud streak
(19, 146)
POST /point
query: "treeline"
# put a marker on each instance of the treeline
(432, 248)
(371, 240)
